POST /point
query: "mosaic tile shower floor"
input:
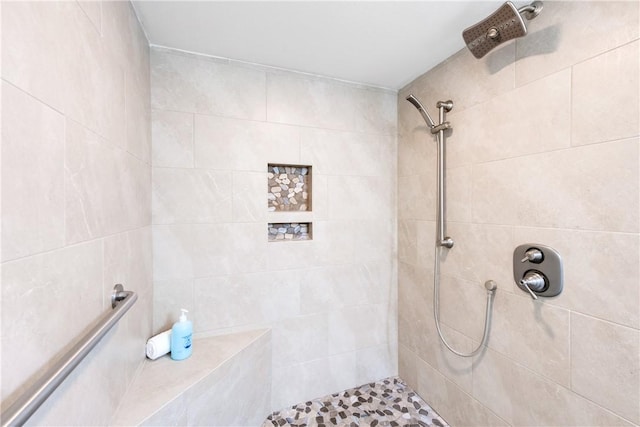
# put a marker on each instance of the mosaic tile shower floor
(389, 402)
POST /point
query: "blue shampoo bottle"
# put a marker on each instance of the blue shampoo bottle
(181, 337)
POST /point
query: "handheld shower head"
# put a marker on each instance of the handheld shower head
(425, 115)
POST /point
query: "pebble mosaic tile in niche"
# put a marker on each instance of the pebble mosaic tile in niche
(289, 231)
(289, 188)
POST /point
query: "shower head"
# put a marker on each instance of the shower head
(425, 115)
(503, 25)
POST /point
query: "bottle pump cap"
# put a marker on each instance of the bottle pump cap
(183, 316)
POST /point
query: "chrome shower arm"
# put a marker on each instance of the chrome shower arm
(532, 10)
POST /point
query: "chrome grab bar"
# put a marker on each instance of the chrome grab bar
(28, 402)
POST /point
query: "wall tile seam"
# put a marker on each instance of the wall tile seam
(572, 230)
(105, 142)
(550, 303)
(98, 30)
(141, 27)
(72, 245)
(569, 389)
(267, 69)
(447, 379)
(136, 373)
(533, 373)
(333, 81)
(609, 322)
(512, 291)
(316, 359)
(103, 275)
(33, 97)
(457, 109)
(124, 230)
(581, 61)
(391, 133)
(496, 96)
(519, 365)
(590, 230)
(517, 227)
(608, 141)
(573, 310)
(256, 171)
(65, 181)
(358, 349)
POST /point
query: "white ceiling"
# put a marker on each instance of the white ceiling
(383, 43)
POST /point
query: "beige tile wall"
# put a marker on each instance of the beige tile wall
(330, 301)
(544, 149)
(76, 197)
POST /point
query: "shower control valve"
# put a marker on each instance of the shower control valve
(533, 281)
(537, 270)
(533, 255)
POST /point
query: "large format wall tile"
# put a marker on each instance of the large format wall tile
(606, 364)
(138, 121)
(249, 198)
(521, 326)
(126, 40)
(182, 82)
(375, 361)
(431, 350)
(304, 101)
(76, 146)
(523, 398)
(481, 253)
(465, 80)
(172, 135)
(605, 90)
(351, 199)
(531, 158)
(31, 57)
(505, 127)
(30, 288)
(359, 154)
(169, 296)
(244, 300)
(33, 175)
(301, 339)
(417, 197)
(503, 191)
(416, 152)
(186, 251)
(570, 32)
(191, 196)
(376, 111)
(600, 271)
(95, 87)
(106, 188)
(231, 144)
(309, 380)
(342, 281)
(450, 401)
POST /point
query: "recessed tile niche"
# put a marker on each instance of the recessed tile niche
(288, 188)
(288, 202)
(284, 231)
